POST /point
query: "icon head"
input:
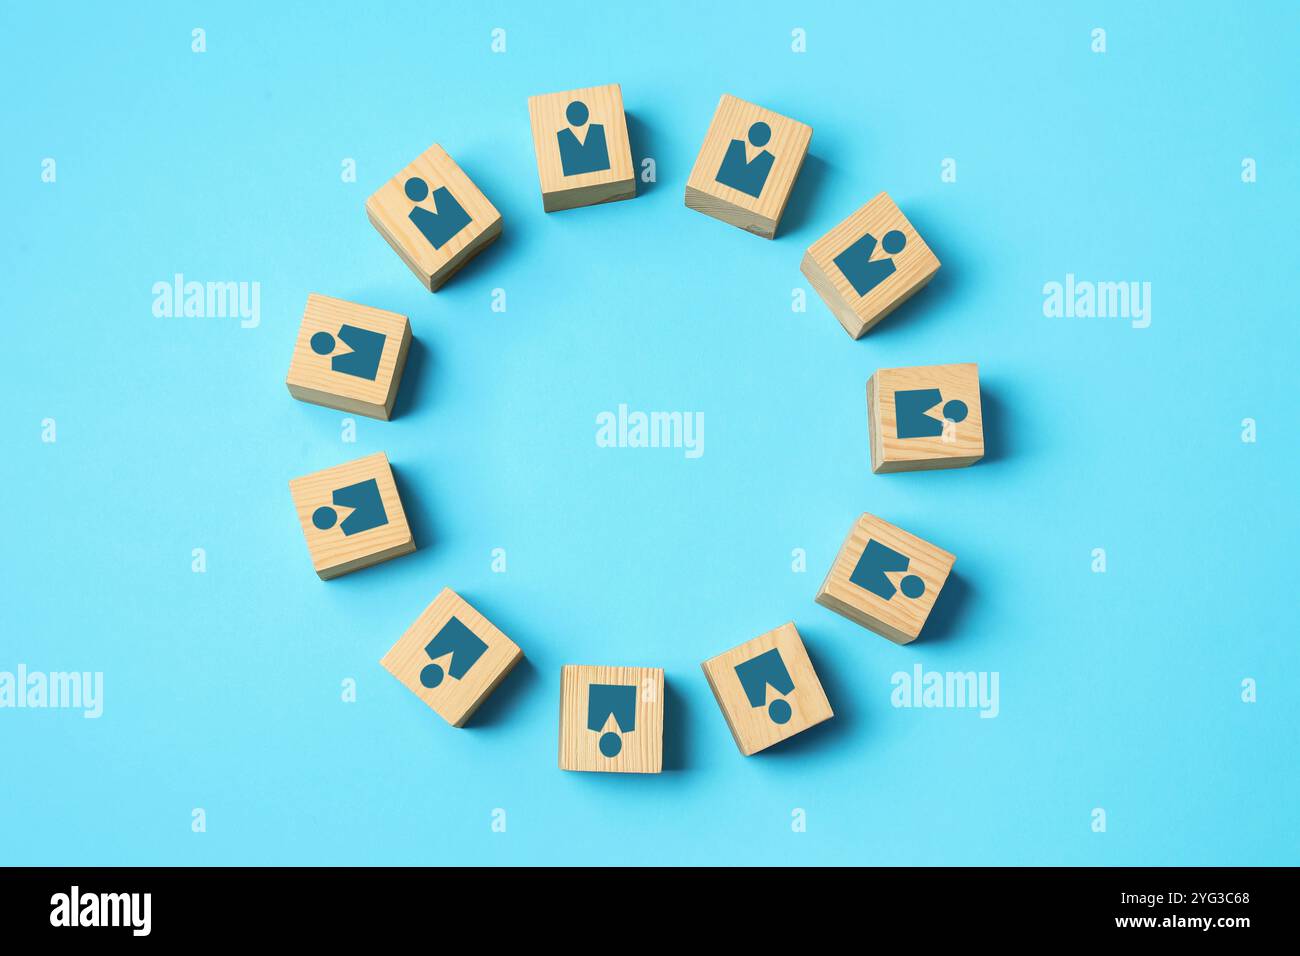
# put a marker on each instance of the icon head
(324, 517)
(610, 743)
(759, 134)
(779, 711)
(912, 586)
(577, 113)
(894, 242)
(431, 676)
(416, 189)
(322, 343)
(955, 411)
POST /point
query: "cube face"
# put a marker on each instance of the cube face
(747, 166)
(925, 417)
(885, 579)
(351, 516)
(767, 689)
(583, 153)
(869, 265)
(612, 719)
(452, 657)
(433, 216)
(349, 356)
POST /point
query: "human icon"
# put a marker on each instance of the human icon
(363, 361)
(367, 509)
(740, 172)
(439, 224)
(759, 673)
(869, 573)
(911, 408)
(856, 263)
(606, 702)
(464, 646)
(588, 155)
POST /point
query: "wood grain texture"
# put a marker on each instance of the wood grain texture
(454, 699)
(389, 209)
(311, 377)
(642, 750)
(546, 113)
(961, 444)
(915, 266)
(900, 618)
(789, 146)
(752, 727)
(332, 552)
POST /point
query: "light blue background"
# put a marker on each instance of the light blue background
(222, 690)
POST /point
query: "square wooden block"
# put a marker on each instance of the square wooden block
(925, 417)
(767, 689)
(869, 265)
(583, 155)
(612, 719)
(433, 216)
(351, 516)
(885, 579)
(349, 356)
(452, 657)
(747, 166)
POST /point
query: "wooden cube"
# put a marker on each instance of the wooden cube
(612, 719)
(583, 155)
(925, 417)
(351, 516)
(885, 579)
(747, 167)
(869, 265)
(767, 689)
(452, 657)
(349, 356)
(433, 216)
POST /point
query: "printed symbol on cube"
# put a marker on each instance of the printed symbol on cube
(464, 646)
(441, 223)
(366, 504)
(747, 175)
(757, 674)
(362, 361)
(911, 409)
(616, 702)
(870, 573)
(863, 272)
(587, 155)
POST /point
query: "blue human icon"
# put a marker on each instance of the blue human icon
(911, 408)
(869, 573)
(757, 674)
(464, 646)
(366, 504)
(588, 155)
(439, 224)
(366, 345)
(747, 175)
(864, 273)
(611, 700)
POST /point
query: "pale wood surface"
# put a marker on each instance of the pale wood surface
(751, 727)
(642, 748)
(546, 113)
(788, 145)
(901, 618)
(915, 266)
(388, 210)
(311, 377)
(455, 700)
(333, 553)
(965, 444)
